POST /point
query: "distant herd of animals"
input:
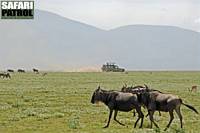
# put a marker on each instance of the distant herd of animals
(8, 75)
(133, 98)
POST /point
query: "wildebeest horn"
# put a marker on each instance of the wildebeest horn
(125, 85)
(99, 87)
(131, 85)
(146, 86)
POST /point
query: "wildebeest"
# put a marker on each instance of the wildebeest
(1, 74)
(10, 70)
(155, 100)
(137, 90)
(36, 71)
(21, 71)
(118, 101)
(134, 90)
(5, 75)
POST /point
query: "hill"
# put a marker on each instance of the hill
(53, 42)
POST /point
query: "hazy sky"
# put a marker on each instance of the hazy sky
(108, 14)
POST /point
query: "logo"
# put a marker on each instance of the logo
(17, 9)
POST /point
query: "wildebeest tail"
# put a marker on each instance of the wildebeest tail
(190, 107)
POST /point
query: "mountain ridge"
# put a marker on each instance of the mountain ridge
(53, 42)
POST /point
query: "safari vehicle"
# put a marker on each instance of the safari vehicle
(111, 67)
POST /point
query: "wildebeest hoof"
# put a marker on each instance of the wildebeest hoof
(122, 124)
(105, 126)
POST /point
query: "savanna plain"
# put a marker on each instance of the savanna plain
(60, 102)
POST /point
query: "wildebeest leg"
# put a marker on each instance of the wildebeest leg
(147, 114)
(140, 115)
(171, 119)
(158, 111)
(133, 112)
(110, 115)
(115, 118)
(179, 115)
(151, 119)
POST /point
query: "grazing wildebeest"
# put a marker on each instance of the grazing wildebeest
(5, 75)
(36, 71)
(118, 101)
(1, 74)
(137, 90)
(10, 70)
(21, 71)
(155, 100)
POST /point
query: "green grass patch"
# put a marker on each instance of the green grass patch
(60, 102)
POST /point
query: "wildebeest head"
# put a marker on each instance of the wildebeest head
(96, 97)
(145, 97)
(124, 88)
